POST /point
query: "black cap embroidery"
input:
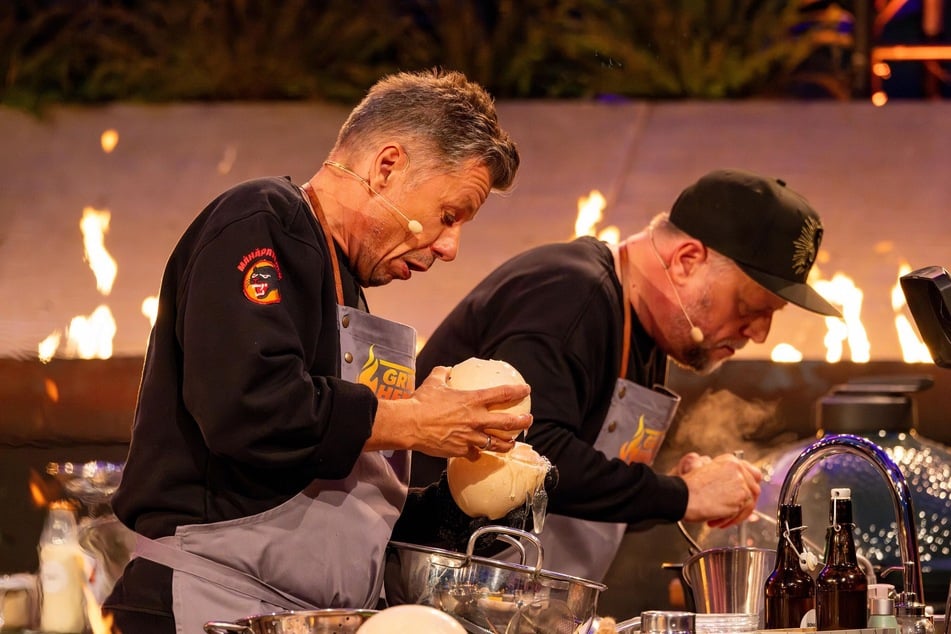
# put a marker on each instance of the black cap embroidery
(806, 246)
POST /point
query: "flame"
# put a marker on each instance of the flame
(98, 623)
(589, 213)
(611, 235)
(36, 494)
(42, 490)
(913, 349)
(228, 159)
(48, 346)
(109, 139)
(785, 353)
(842, 291)
(150, 308)
(91, 337)
(51, 389)
(420, 343)
(643, 444)
(590, 210)
(366, 376)
(94, 225)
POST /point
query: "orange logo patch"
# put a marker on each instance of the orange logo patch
(642, 446)
(262, 281)
(388, 380)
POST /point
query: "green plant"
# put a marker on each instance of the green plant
(692, 48)
(92, 51)
(159, 50)
(516, 48)
(260, 49)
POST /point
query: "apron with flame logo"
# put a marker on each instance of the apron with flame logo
(324, 547)
(632, 431)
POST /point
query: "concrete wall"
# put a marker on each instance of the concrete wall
(878, 176)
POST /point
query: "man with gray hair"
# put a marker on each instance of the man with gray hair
(591, 327)
(270, 448)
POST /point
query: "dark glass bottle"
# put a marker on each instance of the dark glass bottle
(841, 587)
(790, 591)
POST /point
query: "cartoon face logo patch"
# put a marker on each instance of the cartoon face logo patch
(262, 276)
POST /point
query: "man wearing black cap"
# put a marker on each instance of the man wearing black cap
(591, 326)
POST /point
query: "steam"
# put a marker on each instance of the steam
(722, 422)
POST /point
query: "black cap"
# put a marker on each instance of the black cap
(769, 230)
(791, 514)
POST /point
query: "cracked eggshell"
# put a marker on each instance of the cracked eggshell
(495, 483)
(475, 374)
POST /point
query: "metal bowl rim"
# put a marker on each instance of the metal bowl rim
(248, 620)
(505, 565)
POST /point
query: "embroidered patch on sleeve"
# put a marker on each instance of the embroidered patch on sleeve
(262, 276)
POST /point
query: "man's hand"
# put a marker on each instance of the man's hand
(688, 462)
(444, 422)
(722, 492)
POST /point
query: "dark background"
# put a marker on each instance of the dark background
(95, 51)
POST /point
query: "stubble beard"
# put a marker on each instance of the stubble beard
(694, 356)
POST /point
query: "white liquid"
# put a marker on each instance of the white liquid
(61, 579)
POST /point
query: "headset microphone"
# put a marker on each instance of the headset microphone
(414, 226)
(696, 335)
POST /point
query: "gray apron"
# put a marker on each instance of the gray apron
(324, 547)
(632, 431)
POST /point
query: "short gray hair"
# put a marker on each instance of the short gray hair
(443, 119)
(662, 226)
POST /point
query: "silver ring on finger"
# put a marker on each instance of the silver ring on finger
(488, 442)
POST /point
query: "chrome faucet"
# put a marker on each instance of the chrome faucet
(901, 495)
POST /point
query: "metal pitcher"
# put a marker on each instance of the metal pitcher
(729, 580)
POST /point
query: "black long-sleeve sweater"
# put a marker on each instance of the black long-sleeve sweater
(240, 404)
(555, 313)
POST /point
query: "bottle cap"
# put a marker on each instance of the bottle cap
(791, 513)
(840, 507)
(882, 606)
(880, 590)
(790, 516)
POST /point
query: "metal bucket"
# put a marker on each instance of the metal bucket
(729, 580)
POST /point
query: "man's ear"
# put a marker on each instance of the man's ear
(686, 258)
(390, 159)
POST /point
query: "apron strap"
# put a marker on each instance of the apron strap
(163, 552)
(625, 299)
(325, 226)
